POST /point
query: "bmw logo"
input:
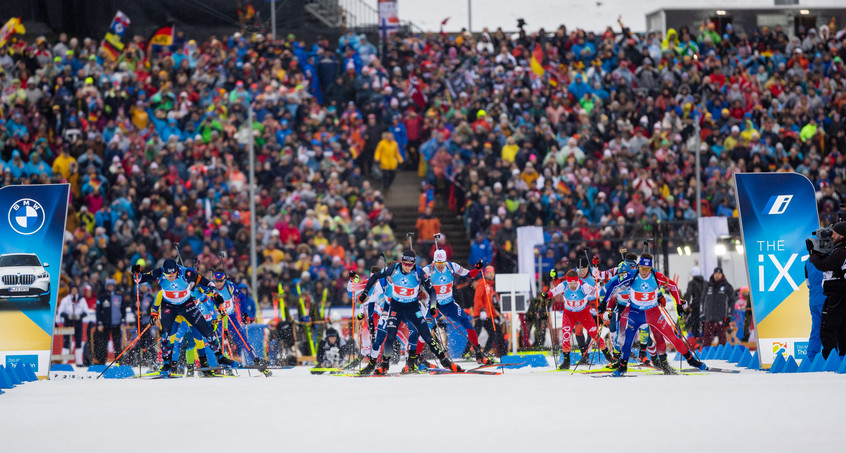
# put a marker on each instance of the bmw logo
(26, 216)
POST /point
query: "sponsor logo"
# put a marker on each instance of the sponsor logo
(777, 204)
(28, 359)
(26, 216)
(800, 349)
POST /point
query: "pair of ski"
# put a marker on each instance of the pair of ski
(684, 372)
(442, 371)
(263, 369)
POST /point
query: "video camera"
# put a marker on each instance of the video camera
(820, 240)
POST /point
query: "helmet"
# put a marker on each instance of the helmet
(623, 269)
(219, 274)
(440, 256)
(169, 266)
(331, 333)
(408, 256)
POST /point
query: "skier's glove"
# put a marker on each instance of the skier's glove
(546, 296)
(480, 264)
(154, 316)
(353, 276)
(684, 305)
(359, 316)
(433, 312)
(218, 299)
(362, 298)
(136, 269)
(606, 316)
(246, 319)
(595, 260)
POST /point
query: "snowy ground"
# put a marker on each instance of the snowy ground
(522, 410)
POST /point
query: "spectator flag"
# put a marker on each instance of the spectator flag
(563, 187)
(388, 18)
(12, 26)
(537, 60)
(163, 37)
(415, 92)
(113, 41)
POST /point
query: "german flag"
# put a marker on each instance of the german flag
(163, 37)
(537, 60)
(563, 187)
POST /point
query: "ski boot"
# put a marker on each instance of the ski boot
(423, 363)
(262, 364)
(481, 358)
(410, 365)
(615, 363)
(621, 370)
(371, 365)
(164, 371)
(694, 362)
(584, 359)
(224, 361)
(607, 353)
(204, 363)
(565, 364)
(664, 365)
(655, 361)
(383, 367)
(448, 364)
(189, 370)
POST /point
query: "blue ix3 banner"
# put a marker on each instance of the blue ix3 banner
(778, 211)
(32, 226)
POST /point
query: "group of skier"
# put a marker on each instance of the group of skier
(189, 303)
(630, 298)
(631, 301)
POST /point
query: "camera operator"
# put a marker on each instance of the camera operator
(833, 266)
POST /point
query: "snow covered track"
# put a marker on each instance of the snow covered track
(521, 411)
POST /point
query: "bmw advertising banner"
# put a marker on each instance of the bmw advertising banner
(778, 211)
(32, 229)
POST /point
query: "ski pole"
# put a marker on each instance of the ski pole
(677, 330)
(125, 349)
(137, 279)
(553, 329)
(592, 341)
(244, 342)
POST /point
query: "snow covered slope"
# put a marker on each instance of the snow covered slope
(521, 411)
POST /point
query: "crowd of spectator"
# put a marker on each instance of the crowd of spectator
(599, 149)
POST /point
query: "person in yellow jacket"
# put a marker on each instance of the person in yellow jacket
(389, 158)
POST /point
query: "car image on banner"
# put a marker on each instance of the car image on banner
(32, 227)
(23, 276)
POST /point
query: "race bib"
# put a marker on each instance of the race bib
(443, 290)
(176, 295)
(405, 292)
(644, 297)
